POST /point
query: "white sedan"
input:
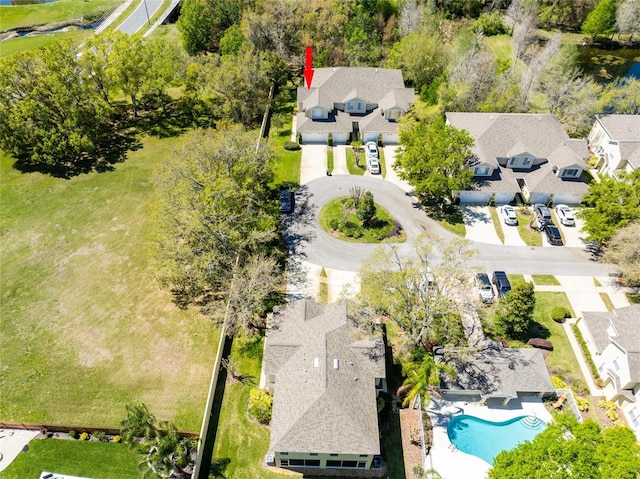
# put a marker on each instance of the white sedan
(508, 214)
(565, 215)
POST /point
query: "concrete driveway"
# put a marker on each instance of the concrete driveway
(340, 160)
(573, 235)
(314, 163)
(511, 235)
(391, 175)
(478, 223)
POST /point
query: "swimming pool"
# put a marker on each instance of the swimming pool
(486, 439)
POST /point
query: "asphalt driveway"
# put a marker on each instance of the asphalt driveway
(478, 223)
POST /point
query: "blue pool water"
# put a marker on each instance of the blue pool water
(486, 439)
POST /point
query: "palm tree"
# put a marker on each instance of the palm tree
(138, 423)
(421, 373)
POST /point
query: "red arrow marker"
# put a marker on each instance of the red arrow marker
(308, 66)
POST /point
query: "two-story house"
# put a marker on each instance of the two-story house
(615, 141)
(613, 339)
(522, 154)
(352, 104)
(325, 376)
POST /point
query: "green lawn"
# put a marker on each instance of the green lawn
(377, 233)
(530, 236)
(634, 298)
(330, 160)
(450, 219)
(383, 164)
(20, 44)
(286, 168)
(42, 14)
(497, 223)
(545, 279)
(500, 45)
(607, 301)
(98, 460)
(351, 163)
(241, 443)
(86, 328)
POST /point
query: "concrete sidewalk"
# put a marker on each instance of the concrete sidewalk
(12, 442)
(313, 163)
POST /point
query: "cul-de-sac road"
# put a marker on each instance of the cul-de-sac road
(308, 242)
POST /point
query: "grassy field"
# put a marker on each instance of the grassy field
(20, 44)
(85, 327)
(286, 168)
(98, 460)
(43, 14)
(351, 163)
(545, 279)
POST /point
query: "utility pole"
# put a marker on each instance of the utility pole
(147, 10)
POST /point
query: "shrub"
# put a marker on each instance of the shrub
(418, 470)
(291, 146)
(558, 383)
(261, 406)
(84, 436)
(334, 224)
(559, 313)
(99, 435)
(582, 403)
(73, 434)
(116, 439)
(490, 24)
(585, 351)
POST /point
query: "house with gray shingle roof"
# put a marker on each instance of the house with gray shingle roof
(325, 376)
(522, 154)
(615, 141)
(613, 339)
(352, 103)
(494, 372)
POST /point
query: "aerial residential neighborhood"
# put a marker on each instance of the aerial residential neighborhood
(385, 239)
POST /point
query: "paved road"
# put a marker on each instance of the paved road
(138, 18)
(311, 244)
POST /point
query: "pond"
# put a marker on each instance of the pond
(610, 64)
(24, 2)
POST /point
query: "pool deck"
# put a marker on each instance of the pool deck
(453, 464)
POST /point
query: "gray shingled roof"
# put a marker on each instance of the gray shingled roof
(621, 127)
(495, 371)
(381, 88)
(322, 409)
(625, 322)
(500, 135)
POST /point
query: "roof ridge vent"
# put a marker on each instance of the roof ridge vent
(336, 363)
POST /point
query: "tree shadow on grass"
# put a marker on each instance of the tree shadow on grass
(219, 468)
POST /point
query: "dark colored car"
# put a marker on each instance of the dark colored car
(553, 234)
(501, 282)
(542, 213)
(287, 200)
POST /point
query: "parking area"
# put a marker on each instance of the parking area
(391, 175)
(478, 223)
(511, 235)
(573, 235)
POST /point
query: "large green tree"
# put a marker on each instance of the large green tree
(216, 224)
(51, 114)
(515, 310)
(567, 449)
(613, 203)
(421, 375)
(435, 158)
(195, 26)
(417, 292)
(602, 20)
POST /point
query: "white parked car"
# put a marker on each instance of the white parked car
(374, 166)
(565, 215)
(371, 149)
(508, 214)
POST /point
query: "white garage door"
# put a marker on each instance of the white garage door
(567, 198)
(340, 138)
(369, 136)
(390, 138)
(504, 198)
(475, 197)
(314, 138)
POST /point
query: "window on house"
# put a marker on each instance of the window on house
(349, 463)
(360, 106)
(526, 161)
(616, 364)
(349, 106)
(513, 161)
(362, 465)
(333, 455)
(635, 417)
(312, 462)
(572, 172)
(316, 113)
(481, 170)
(313, 453)
(296, 462)
(284, 462)
(333, 463)
(601, 368)
(363, 455)
(284, 453)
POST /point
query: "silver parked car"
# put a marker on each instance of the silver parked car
(565, 215)
(371, 149)
(508, 214)
(483, 285)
